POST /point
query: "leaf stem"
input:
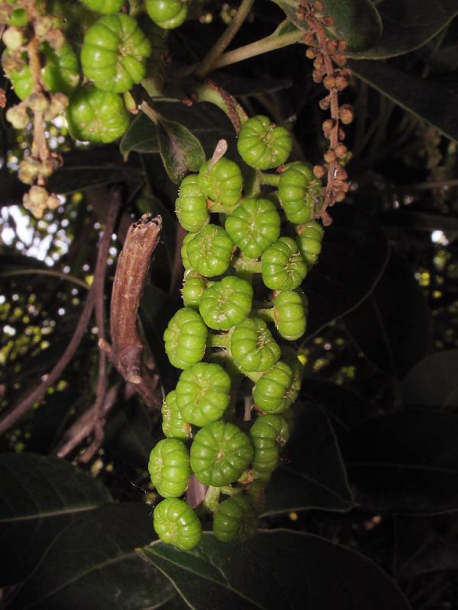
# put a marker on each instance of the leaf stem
(225, 39)
(265, 45)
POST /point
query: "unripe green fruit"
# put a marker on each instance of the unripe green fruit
(176, 523)
(210, 251)
(191, 206)
(167, 14)
(221, 182)
(97, 116)
(226, 303)
(235, 520)
(283, 266)
(262, 145)
(169, 467)
(114, 53)
(173, 424)
(290, 311)
(185, 338)
(252, 346)
(220, 454)
(106, 7)
(203, 393)
(253, 226)
(273, 393)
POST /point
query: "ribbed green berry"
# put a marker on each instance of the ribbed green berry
(309, 241)
(167, 14)
(253, 226)
(194, 286)
(290, 313)
(169, 467)
(252, 346)
(226, 303)
(176, 523)
(185, 338)
(220, 454)
(235, 520)
(173, 424)
(298, 191)
(262, 144)
(283, 266)
(203, 393)
(221, 182)
(273, 392)
(191, 206)
(210, 250)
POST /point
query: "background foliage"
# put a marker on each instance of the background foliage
(361, 513)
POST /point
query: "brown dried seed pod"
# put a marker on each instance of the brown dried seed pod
(341, 83)
(325, 102)
(317, 76)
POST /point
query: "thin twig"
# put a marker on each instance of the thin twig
(225, 39)
(36, 395)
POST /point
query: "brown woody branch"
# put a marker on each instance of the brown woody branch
(126, 348)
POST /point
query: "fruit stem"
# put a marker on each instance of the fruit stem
(269, 179)
(223, 340)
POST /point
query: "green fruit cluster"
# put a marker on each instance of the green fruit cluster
(245, 258)
(116, 52)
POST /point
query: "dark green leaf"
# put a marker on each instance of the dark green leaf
(428, 100)
(312, 475)
(433, 382)
(180, 150)
(140, 137)
(392, 327)
(405, 462)
(128, 433)
(93, 564)
(343, 407)
(355, 252)
(276, 570)
(40, 497)
(408, 25)
(355, 21)
(437, 553)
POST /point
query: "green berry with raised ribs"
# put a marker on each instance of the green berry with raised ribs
(221, 182)
(176, 523)
(203, 393)
(290, 309)
(226, 303)
(185, 338)
(107, 7)
(114, 53)
(173, 424)
(235, 520)
(193, 288)
(220, 454)
(283, 266)
(267, 434)
(97, 116)
(210, 250)
(274, 391)
(191, 206)
(60, 71)
(169, 468)
(254, 225)
(310, 236)
(167, 14)
(262, 144)
(253, 348)
(298, 190)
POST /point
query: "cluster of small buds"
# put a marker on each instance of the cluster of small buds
(27, 29)
(329, 68)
